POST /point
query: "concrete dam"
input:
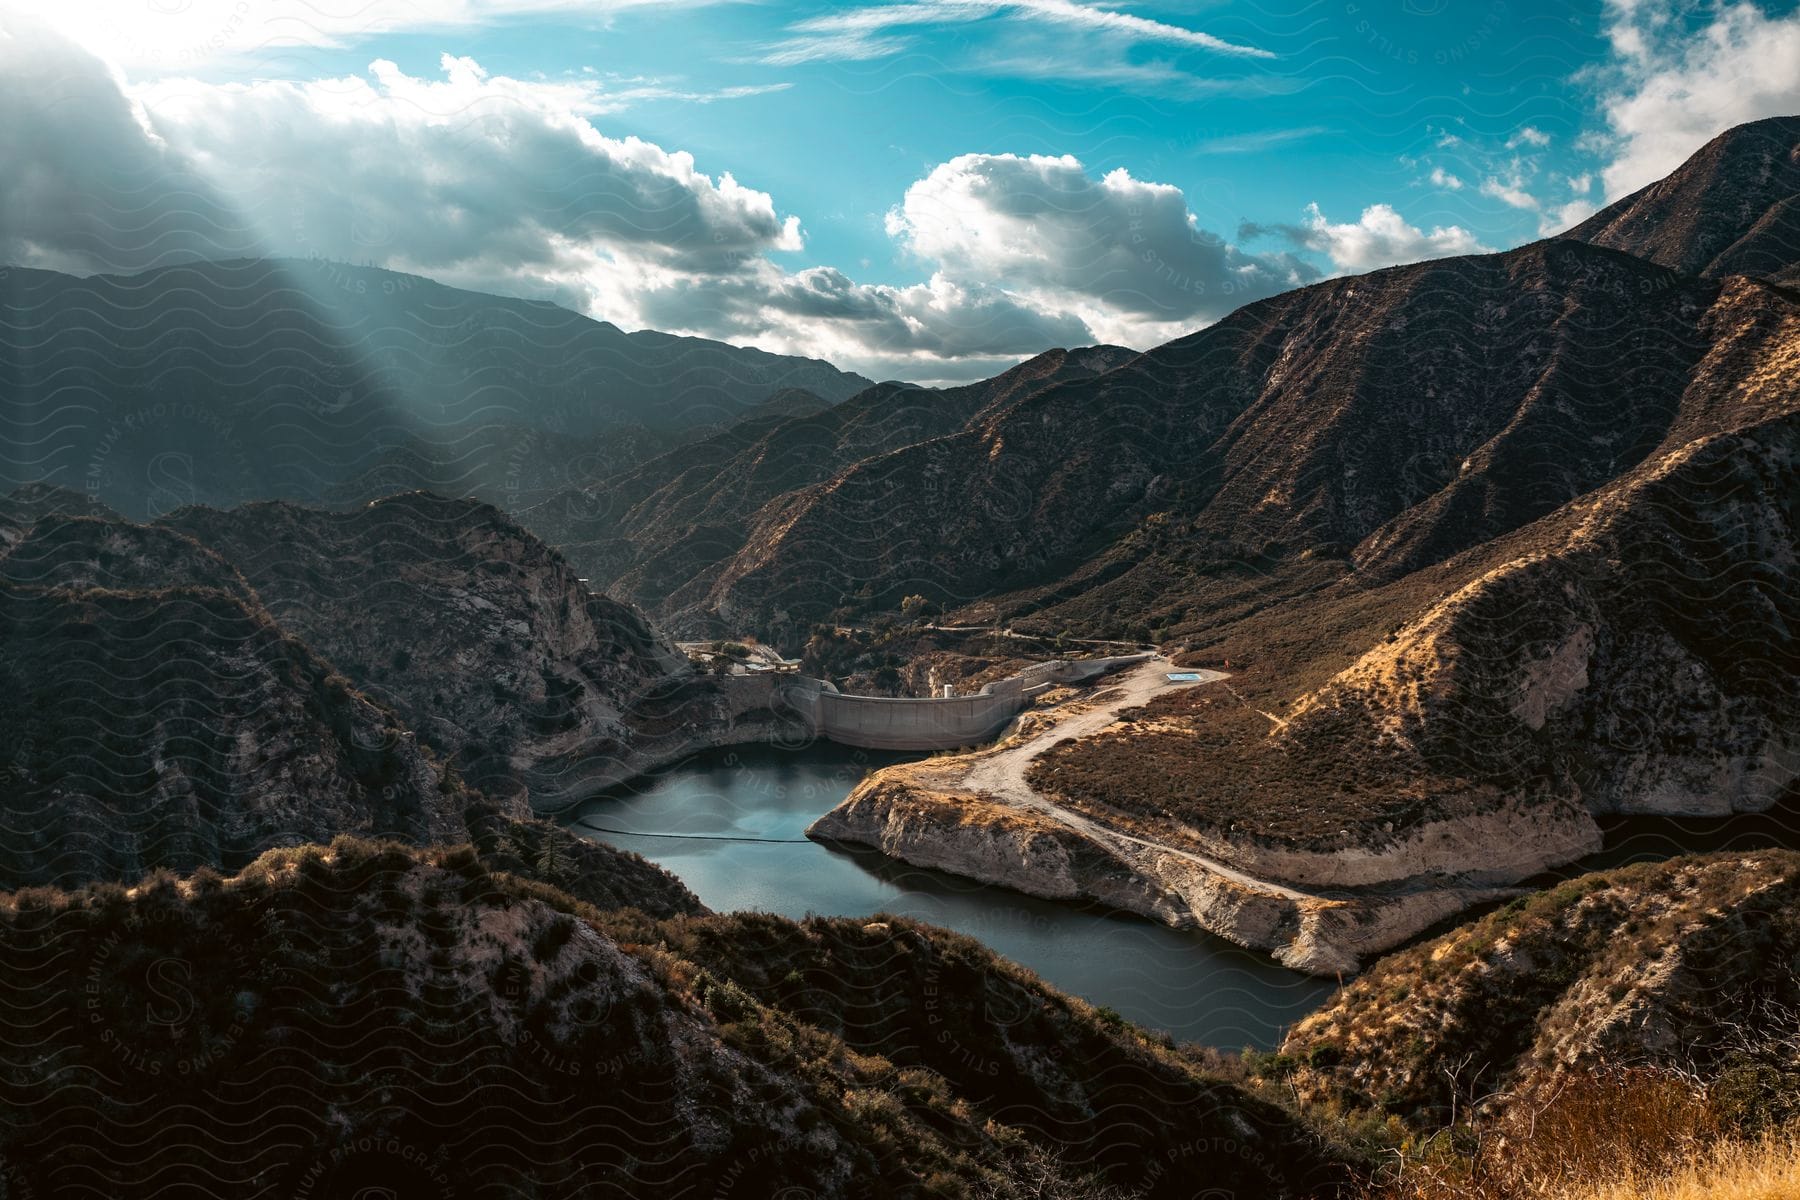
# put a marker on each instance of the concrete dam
(931, 723)
(775, 707)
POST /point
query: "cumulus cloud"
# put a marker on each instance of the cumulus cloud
(1675, 86)
(1380, 238)
(508, 185)
(470, 168)
(939, 329)
(1509, 189)
(1577, 208)
(1119, 251)
(87, 185)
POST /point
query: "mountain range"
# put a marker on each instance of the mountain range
(1490, 547)
(318, 381)
(1482, 549)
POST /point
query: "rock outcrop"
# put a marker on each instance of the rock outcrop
(969, 835)
(1689, 963)
(156, 714)
(179, 727)
(480, 636)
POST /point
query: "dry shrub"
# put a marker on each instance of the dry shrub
(1593, 1128)
(1597, 1126)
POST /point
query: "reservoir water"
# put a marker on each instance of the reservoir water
(1194, 986)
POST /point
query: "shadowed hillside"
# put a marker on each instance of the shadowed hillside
(218, 383)
(178, 727)
(371, 1016)
(157, 714)
(1375, 422)
(477, 634)
(659, 531)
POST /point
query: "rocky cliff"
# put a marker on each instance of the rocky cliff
(157, 714)
(477, 634)
(968, 834)
(179, 727)
(1689, 963)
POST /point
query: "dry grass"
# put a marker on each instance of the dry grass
(1766, 1169)
(1641, 1133)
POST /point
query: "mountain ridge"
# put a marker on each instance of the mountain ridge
(224, 382)
(1730, 209)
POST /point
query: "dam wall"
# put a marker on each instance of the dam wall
(929, 723)
(769, 707)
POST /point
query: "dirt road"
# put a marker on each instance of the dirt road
(1001, 774)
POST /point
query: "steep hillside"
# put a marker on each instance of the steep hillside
(1462, 726)
(1688, 963)
(1487, 546)
(370, 1017)
(218, 383)
(477, 634)
(179, 727)
(119, 761)
(110, 553)
(651, 532)
(1731, 209)
(1375, 424)
(22, 508)
(1276, 441)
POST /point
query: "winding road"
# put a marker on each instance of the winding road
(1000, 774)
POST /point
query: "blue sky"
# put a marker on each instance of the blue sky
(924, 188)
(1333, 120)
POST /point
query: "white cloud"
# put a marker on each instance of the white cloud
(1528, 136)
(506, 185)
(1509, 190)
(1564, 216)
(87, 185)
(878, 31)
(1125, 254)
(1674, 88)
(469, 168)
(1258, 141)
(938, 329)
(1380, 238)
(1444, 179)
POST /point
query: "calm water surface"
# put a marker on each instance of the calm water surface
(1195, 986)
